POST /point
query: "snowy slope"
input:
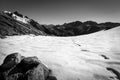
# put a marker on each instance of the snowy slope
(89, 57)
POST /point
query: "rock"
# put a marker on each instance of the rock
(17, 76)
(35, 74)
(33, 62)
(35, 68)
(17, 67)
(18, 14)
(51, 78)
(117, 73)
(11, 60)
(28, 63)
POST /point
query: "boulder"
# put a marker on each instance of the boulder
(17, 67)
(10, 61)
(51, 78)
(36, 73)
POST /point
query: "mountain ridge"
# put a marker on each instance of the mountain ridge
(14, 23)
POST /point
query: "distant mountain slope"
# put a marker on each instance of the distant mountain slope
(10, 26)
(17, 24)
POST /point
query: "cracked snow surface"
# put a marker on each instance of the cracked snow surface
(88, 57)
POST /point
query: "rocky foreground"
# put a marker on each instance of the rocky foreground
(18, 67)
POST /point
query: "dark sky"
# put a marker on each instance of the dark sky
(61, 11)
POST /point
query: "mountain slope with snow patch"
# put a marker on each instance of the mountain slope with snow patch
(14, 23)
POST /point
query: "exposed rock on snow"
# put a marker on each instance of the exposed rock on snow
(115, 72)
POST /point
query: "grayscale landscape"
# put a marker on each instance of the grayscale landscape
(74, 50)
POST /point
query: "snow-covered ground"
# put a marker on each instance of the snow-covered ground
(71, 58)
